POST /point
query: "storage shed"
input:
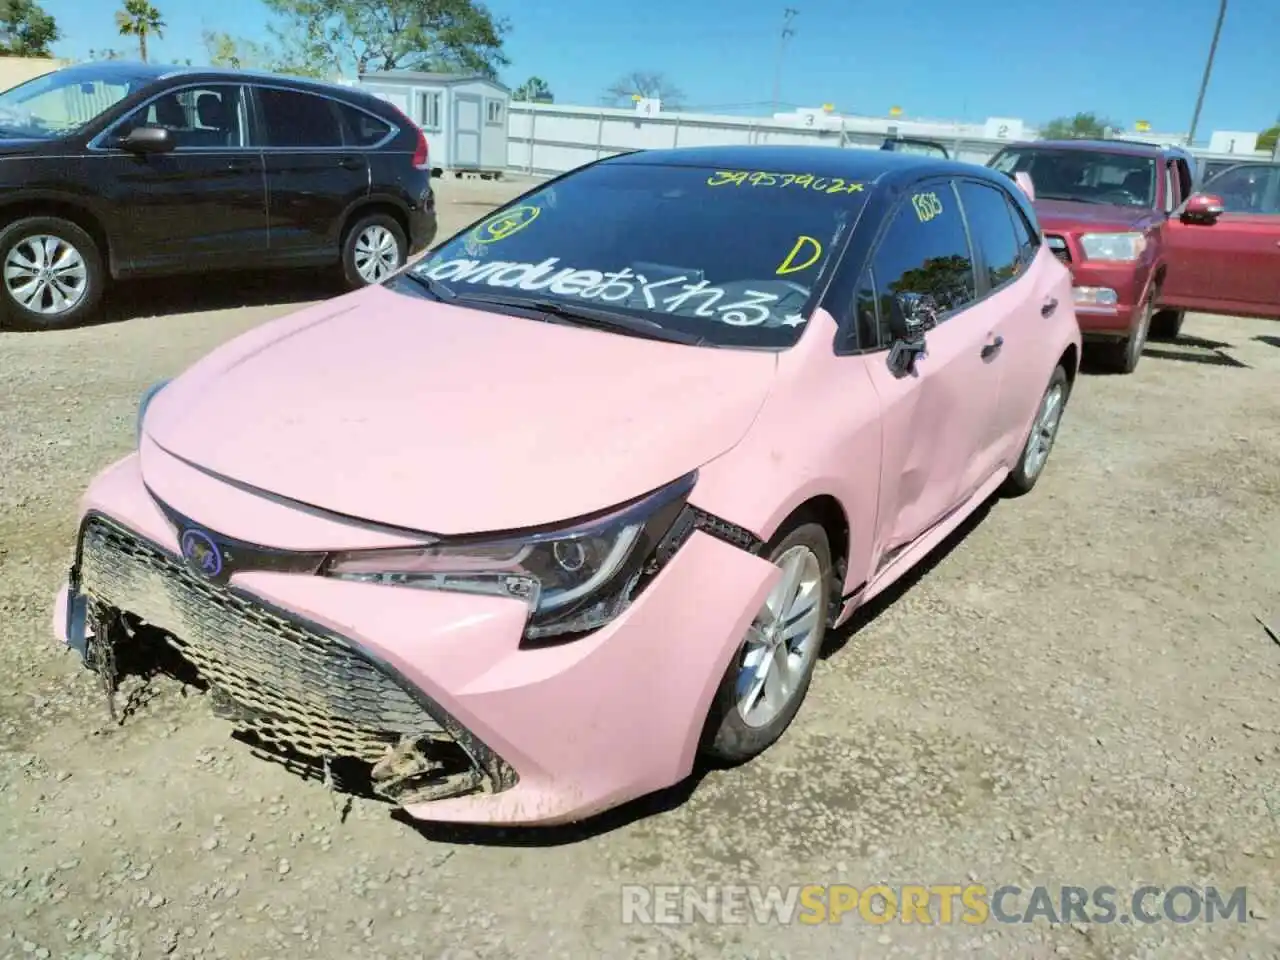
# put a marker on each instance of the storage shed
(464, 117)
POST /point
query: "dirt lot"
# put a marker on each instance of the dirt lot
(1076, 693)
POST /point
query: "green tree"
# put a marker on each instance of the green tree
(534, 89)
(225, 50)
(26, 29)
(138, 18)
(322, 37)
(1083, 126)
(642, 83)
(1267, 139)
(948, 280)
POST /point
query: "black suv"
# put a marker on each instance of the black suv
(116, 169)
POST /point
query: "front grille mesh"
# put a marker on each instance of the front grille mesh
(1058, 246)
(297, 687)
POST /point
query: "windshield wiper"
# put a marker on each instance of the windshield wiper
(433, 288)
(588, 317)
(1055, 196)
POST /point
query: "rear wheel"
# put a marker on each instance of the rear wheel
(53, 274)
(375, 248)
(1044, 431)
(1167, 324)
(768, 678)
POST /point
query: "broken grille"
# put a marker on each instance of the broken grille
(294, 686)
(1058, 245)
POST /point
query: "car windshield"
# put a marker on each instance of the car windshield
(61, 102)
(1085, 176)
(725, 257)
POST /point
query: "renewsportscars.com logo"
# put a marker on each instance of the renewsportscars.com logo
(933, 904)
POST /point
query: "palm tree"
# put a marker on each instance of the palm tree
(138, 18)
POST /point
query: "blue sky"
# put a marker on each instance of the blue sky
(942, 59)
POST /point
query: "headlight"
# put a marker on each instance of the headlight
(1113, 246)
(147, 396)
(572, 579)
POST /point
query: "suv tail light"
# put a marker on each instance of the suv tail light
(421, 153)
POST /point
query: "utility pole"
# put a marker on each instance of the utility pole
(1208, 69)
(788, 15)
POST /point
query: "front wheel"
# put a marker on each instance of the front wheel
(375, 247)
(1044, 431)
(53, 273)
(1123, 356)
(768, 678)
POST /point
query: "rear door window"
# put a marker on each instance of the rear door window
(925, 250)
(991, 228)
(295, 119)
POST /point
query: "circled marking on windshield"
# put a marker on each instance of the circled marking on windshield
(505, 224)
(802, 246)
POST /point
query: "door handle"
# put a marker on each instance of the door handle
(1047, 308)
(238, 166)
(992, 348)
(351, 163)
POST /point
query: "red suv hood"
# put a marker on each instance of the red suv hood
(1068, 216)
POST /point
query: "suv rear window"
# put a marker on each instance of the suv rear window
(362, 129)
(295, 119)
(731, 256)
(1083, 176)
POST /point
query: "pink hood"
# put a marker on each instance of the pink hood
(450, 420)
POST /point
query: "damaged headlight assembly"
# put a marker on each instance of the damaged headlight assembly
(573, 579)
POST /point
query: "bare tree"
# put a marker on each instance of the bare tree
(641, 83)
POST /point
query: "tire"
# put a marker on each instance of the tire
(1167, 324)
(732, 734)
(1040, 438)
(1123, 356)
(377, 242)
(77, 276)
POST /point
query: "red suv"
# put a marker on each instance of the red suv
(1103, 206)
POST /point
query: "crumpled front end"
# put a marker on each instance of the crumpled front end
(432, 697)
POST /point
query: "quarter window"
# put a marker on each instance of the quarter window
(991, 228)
(196, 117)
(296, 119)
(925, 250)
(362, 129)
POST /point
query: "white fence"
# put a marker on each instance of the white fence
(548, 139)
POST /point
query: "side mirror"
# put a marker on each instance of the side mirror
(1203, 208)
(436, 173)
(148, 140)
(911, 315)
(1023, 180)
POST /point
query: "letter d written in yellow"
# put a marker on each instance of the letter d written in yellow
(805, 247)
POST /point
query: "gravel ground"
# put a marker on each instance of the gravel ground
(1076, 693)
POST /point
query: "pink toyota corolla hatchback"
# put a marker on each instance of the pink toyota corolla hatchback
(517, 534)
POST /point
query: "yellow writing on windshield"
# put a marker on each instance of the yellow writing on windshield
(927, 205)
(806, 247)
(805, 181)
(505, 224)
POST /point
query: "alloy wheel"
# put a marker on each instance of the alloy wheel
(782, 640)
(45, 275)
(1044, 430)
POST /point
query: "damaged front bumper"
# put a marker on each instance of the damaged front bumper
(432, 694)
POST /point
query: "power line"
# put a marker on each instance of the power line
(788, 15)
